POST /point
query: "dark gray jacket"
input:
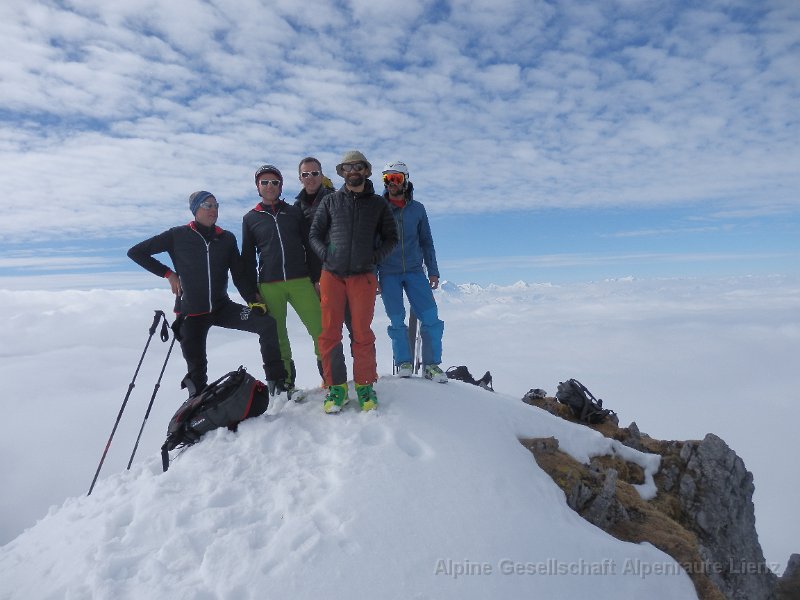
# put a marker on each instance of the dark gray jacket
(353, 232)
(279, 238)
(309, 205)
(201, 264)
(309, 208)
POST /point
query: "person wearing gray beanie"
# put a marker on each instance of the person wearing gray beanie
(197, 198)
(202, 256)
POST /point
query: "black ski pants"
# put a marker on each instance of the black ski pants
(194, 334)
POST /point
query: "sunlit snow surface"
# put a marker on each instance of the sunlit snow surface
(418, 500)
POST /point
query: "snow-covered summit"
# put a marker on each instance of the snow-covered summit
(431, 496)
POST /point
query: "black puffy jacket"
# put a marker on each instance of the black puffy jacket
(309, 208)
(201, 264)
(309, 205)
(280, 238)
(353, 231)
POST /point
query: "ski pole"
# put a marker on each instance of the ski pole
(158, 316)
(412, 335)
(153, 397)
(412, 328)
(415, 340)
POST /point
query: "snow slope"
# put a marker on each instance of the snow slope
(431, 496)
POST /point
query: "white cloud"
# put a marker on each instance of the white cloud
(680, 357)
(619, 105)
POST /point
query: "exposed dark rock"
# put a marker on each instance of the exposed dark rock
(632, 436)
(716, 496)
(789, 582)
(703, 514)
(602, 497)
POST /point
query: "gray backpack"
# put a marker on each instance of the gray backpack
(228, 401)
(584, 406)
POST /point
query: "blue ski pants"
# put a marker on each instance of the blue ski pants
(420, 296)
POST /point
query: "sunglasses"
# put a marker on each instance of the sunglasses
(266, 182)
(307, 174)
(358, 167)
(396, 178)
(209, 205)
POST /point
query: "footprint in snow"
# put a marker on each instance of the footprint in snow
(412, 445)
(375, 434)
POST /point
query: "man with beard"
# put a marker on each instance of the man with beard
(315, 187)
(404, 270)
(353, 230)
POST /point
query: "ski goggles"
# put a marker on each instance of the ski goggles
(357, 167)
(307, 174)
(395, 178)
(208, 205)
(266, 182)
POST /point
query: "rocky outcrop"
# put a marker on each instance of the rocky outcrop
(715, 491)
(703, 514)
(789, 583)
(602, 492)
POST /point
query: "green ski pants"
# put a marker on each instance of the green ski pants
(301, 295)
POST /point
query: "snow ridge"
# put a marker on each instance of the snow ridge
(431, 496)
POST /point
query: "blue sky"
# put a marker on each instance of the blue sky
(549, 141)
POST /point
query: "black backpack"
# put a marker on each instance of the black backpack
(226, 402)
(462, 373)
(585, 407)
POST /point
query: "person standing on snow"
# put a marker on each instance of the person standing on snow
(353, 230)
(202, 254)
(404, 270)
(275, 253)
(315, 187)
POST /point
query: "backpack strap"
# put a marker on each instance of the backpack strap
(230, 374)
(164, 458)
(486, 381)
(586, 391)
(588, 400)
(593, 407)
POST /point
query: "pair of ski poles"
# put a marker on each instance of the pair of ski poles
(159, 317)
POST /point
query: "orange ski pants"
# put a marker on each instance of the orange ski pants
(357, 291)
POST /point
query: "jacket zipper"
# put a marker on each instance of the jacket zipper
(208, 268)
(353, 230)
(401, 227)
(280, 242)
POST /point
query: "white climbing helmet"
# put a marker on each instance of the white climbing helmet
(396, 166)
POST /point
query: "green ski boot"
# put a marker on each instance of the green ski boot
(367, 398)
(434, 373)
(336, 398)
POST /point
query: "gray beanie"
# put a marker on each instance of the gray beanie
(353, 156)
(197, 198)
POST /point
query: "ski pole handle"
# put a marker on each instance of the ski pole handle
(156, 318)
